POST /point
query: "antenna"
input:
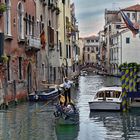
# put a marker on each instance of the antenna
(115, 6)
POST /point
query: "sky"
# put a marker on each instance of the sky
(90, 13)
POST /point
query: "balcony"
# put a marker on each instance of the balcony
(32, 43)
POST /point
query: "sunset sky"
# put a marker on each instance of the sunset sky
(90, 13)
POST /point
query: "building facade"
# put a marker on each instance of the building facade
(35, 46)
(91, 50)
(21, 44)
(121, 43)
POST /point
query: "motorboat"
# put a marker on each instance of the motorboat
(107, 99)
(66, 115)
(44, 95)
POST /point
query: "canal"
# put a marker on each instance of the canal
(35, 121)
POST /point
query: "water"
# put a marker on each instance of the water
(35, 121)
(104, 125)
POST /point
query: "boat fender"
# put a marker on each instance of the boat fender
(36, 97)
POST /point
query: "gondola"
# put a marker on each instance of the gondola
(44, 95)
(66, 116)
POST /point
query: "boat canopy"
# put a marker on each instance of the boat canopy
(109, 93)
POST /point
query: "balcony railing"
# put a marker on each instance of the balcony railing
(33, 43)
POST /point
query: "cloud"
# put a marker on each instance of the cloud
(90, 13)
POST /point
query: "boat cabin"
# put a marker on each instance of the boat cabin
(104, 94)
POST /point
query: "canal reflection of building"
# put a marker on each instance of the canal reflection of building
(67, 132)
(118, 124)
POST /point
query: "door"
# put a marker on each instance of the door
(29, 79)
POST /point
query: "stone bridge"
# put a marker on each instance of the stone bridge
(91, 68)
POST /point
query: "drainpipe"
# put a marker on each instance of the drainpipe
(64, 22)
(121, 45)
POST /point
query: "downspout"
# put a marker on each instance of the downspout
(121, 45)
(64, 22)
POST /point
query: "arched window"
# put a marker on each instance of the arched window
(20, 20)
(8, 18)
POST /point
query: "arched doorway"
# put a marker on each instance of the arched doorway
(29, 78)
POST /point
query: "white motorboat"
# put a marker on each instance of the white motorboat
(107, 99)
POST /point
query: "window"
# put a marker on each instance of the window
(33, 24)
(8, 18)
(88, 57)
(20, 68)
(69, 51)
(60, 48)
(57, 41)
(133, 16)
(8, 69)
(128, 14)
(30, 25)
(118, 26)
(54, 71)
(43, 72)
(67, 54)
(127, 40)
(76, 50)
(109, 27)
(20, 20)
(26, 24)
(96, 49)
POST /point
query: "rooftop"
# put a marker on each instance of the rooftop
(132, 8)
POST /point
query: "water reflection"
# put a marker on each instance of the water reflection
(117, 125)
(27, 122)
(104, 125)
(67, 132)
(35, 121)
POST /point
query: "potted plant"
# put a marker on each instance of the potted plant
(2, 8)
(4, 58)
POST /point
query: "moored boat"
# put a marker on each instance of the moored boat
(107, 99)
(44, 95)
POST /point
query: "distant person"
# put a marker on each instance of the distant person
(67, 87)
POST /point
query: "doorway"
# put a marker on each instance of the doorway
(29, 78)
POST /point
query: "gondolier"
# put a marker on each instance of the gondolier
(67, 86)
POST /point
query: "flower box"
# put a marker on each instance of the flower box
(2, 8)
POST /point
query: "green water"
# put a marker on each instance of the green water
(35, 121)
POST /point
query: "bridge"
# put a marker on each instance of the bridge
(91, 67)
